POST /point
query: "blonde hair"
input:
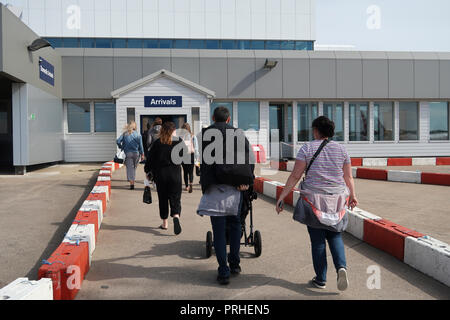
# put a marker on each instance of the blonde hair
(130, 127)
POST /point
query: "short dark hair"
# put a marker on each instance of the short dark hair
(221, 114)
(325, 127)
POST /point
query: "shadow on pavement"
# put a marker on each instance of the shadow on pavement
(152, 230)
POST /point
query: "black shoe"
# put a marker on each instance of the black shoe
(131, 186)
(318, 284)
(223, 280)
(235, 270)
(176, 226)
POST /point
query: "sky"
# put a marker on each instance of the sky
(390, 25)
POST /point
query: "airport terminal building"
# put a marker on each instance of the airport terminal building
(113, 61)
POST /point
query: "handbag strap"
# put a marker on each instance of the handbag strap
(324, 143)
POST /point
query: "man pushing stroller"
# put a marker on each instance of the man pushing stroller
(226, 173)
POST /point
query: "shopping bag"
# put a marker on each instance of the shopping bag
(147, 197)
(119, 157)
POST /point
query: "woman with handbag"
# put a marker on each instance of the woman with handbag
(131, 143)
(167, 175)
(192, 144)
(326, 190)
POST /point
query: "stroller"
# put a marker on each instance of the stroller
(250, 240)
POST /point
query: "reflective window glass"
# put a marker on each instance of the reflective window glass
(79, 117)
(272, 45)
(243, 44)
(197, 44)
(258, 44)
(228, 105)
(165, 43)
(359, 121)
(228, 44)
(135, 43)
(71, 43)
(248, 115)
(105, 117)
(383, 121)
(212, 44)
(150, 43)
(55, 42)
(409, 121)
(335, 112)
(306, 113)
(119, 43)
(181, 44)
(287, 45)
(103, 43)
(439, 120)
(87, 43)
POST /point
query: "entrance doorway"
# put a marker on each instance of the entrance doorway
(178, 119)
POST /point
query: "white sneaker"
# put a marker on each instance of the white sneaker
(342, 280)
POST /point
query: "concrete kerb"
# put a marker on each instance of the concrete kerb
(47, 288)
(423, 253)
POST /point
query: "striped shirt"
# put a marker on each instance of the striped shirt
(327, 169)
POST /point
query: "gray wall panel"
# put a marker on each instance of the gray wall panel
(349, 78)
(375, 78)
(72, 77)
(444, 79)
(426, 78)
(213, 75)
(401, 79)
(154, 64)
(126, 70)
(241, 78)
(323, 78)
(98, 77)
(296, 78)
(269, 83)
(187, 68)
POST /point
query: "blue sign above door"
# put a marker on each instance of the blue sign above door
(163, 101)
(46, 71)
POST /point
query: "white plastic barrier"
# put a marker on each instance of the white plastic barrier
(356, 222)
(424, 161)
(24, 289)
(90, 205)
(290, 166)
(404, 176)
(375, 162)
(104, 172)
(103, 178)
(354, 172)
(82, 233)
(429, 256)
(270, 188)
(101, 189)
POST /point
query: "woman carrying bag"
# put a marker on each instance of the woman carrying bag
(131, 143)
(326, 190)
(192, 145)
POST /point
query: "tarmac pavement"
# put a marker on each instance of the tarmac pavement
(136, 260)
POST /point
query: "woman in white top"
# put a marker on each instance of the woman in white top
(192, 144)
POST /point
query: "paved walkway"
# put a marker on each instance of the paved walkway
(136, 260)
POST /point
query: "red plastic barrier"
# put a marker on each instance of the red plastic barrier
(260, 153)
(98, 196)
(87, 217)
(104, 183)
(290, 197)
(373, 174)
(388, 236)
(116, 166)
(104, 174)
(66, 256)
(442, 179)
(357, 162)
(399, 162)
(258, 185)
(443, 161)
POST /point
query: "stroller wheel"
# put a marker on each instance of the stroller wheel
(209, 244)
(257, 243)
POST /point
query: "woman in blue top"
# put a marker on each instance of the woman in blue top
(131, 143)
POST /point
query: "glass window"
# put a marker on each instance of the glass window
(87, 43)
(439, 120)
(71, 43)
(119, 43)
(272, 45)
(243, 44)
(359, 121)
(197, 44)
(165, 43)
(301, 45)
(335, 112)
(131, 114)
(409, 121)
(212, 44)
(105, 117)
(287, 45)
(258, 44)
(306, 113)
(181, 44)
(79, 117)
(55, 42)
(228, 44)
(383, 113)
(135, 43)
(248, 115)
(228, 105)
(102, 43)
(290, 125)
(151, 43)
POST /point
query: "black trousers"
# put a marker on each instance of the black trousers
(188, 171)
(168, 186)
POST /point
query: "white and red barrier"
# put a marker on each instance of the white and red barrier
(423, 253)
(82, 233)
(24, 289)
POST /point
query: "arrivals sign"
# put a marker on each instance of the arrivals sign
(46, 71)
(163, 101)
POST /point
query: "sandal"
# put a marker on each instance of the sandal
(162, 228)
(176, 226)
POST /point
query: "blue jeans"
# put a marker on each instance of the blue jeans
(319, 252)
(219, 225)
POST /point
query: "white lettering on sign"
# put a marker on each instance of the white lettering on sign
(74, 19)
(163, 102)
(48, 73)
